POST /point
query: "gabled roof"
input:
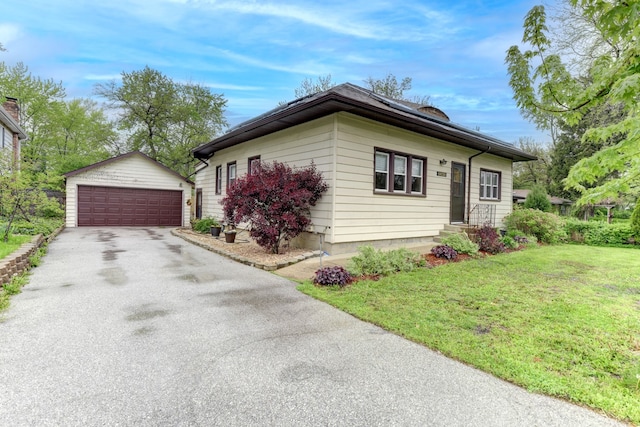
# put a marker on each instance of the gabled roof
(8, 120)
(520, 196)
(122, 157)
(365, 103)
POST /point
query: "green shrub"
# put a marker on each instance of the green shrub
(461, 243)
(621, 213)
(522, 239)
(537, 199)
(204, 225)
(50, 208)
(370, 261)
(404, 260)
(599, 233)
(44, 226)
(509, 242)
(545, 226)
(635, 221)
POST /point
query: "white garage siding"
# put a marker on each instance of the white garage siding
(133, 170)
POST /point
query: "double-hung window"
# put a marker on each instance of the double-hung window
(382, 171)
(490, 185)
(219, 179)
(399, 173)
(252, 167)
(231, 173)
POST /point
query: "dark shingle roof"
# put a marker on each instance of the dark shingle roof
(365, 103)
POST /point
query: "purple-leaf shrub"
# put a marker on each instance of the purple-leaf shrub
(275, 201)
(444, 251)
(489, 240)
(329, 276)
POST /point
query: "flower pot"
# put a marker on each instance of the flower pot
(230, 237)
(215, 230)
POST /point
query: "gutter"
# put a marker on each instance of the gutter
(206, 165)
(469, 182)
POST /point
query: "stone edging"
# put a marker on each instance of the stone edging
(18, 261)
(247, 261)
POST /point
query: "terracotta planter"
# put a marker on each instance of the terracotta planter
(230, 237)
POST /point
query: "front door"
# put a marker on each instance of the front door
(458, 174)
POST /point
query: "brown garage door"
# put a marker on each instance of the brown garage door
(111, 206)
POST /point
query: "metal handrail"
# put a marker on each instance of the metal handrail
(482, 214)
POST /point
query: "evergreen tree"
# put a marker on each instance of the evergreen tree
(538, 199)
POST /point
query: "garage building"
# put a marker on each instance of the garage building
(128, 190)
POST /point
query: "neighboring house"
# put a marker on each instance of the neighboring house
(10, 131)
(558, 204)
(396, 174)
(128, 190)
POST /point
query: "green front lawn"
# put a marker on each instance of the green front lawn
(12, 245)
(561, 320)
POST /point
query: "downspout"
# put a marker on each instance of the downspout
(206, 165)
(469, 183)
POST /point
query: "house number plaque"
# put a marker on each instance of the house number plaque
(439, 173)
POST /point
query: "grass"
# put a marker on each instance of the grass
(13, 244)
(561, 320)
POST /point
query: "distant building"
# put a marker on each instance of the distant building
(558, 204)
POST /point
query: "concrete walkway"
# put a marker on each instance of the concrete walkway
(136, 327)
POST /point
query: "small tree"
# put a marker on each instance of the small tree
(275, 201)
(538, 199)
(18, 197)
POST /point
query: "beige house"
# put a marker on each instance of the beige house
(396, 174)
(128, 190)
(10, 131)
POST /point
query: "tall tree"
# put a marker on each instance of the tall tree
(309, 87)
(62, 135)
(85, 136)
(40, 100)
(545, 86)
(162, 118)
(535, 173)
(389, 86)
(568, 148)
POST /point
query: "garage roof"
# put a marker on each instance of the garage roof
(365, 103)
(122, 157)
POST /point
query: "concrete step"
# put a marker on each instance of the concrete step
(448, 230)
(455, 228)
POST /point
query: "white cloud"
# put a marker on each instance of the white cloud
(8, 33)
(356, 19)
(309, 68)
(102, 77)
(226, 86)
(495, 46)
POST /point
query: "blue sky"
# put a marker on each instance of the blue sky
(256, 53)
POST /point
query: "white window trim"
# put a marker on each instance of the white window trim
(488, 185)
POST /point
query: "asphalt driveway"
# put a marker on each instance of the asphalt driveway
(138, 327)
